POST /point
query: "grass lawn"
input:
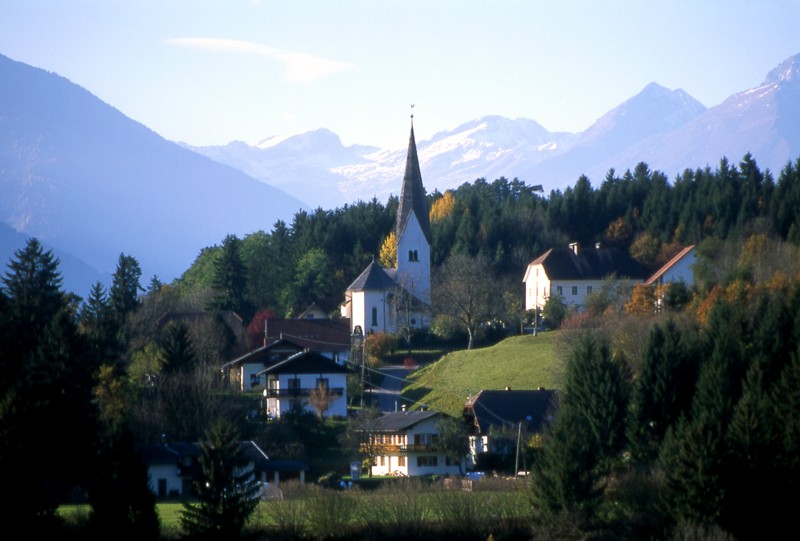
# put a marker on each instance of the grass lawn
(519, 362)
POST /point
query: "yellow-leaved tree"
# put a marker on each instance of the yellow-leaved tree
(388, 254)
(442, 207)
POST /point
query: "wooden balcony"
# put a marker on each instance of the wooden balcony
(297, 393)
(395, 449)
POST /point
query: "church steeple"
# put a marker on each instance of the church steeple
(412, 194)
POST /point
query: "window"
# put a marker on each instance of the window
(588, 289)
(374, 316)
(383, 460)
(426, 461)
(559, 290)
(574, 290)
(255, 380)
(323, 382)
(401, 461)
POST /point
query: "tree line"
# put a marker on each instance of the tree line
(505, 222)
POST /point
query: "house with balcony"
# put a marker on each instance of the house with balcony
(574, 272)
(405, 443)
(307, 380)
(284, 338)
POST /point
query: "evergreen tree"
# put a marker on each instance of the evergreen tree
(663, 391)
(225, 489)
(45, 387)
(230, 278)
(125, 288)
(597, 389)
(567, 488)
(177, 354)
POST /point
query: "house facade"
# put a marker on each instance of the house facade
(404, 443)
(389, 300)
(575, 272)
(498, 418)
(301, 382)
(284, 338)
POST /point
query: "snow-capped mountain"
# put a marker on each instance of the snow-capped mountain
(667, 129)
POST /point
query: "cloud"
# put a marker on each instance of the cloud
(300, 67)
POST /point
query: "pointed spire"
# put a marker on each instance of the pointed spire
(412, 195)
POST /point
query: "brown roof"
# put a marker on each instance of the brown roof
(669, 264)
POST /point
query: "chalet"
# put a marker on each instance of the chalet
(284, 338)
(391, 299)
(404, 443)
(296, 382)
(173, 467)
(574, 272)
(497, 418)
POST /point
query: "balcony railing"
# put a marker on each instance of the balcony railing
(295, 393)
(395, 449)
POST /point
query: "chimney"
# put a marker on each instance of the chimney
(508, 388)
(574, 247)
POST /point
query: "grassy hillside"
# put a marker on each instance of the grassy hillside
(519, 362)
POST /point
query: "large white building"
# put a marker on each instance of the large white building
(574, 272)
(388, 300)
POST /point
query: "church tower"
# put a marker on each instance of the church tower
(413, 230)
(391, 300)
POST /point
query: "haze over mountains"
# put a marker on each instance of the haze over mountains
(667, 129)
(91, 183)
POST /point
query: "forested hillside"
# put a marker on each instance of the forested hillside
(509, 223)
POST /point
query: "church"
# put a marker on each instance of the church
(399, 299)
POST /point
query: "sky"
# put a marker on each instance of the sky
(208, 73)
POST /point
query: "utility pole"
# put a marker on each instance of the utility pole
(516, 458)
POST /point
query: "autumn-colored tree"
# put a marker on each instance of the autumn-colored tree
(442, 207)
(387, 258)
(320, 398)
(643, 300)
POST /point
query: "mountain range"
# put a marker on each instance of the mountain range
(91, 183)
(666, 129)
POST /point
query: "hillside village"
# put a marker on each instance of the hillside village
(638, 310)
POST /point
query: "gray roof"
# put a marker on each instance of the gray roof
(412, 195)
(306, 362)
(398, 420)
(534, 409)
(373, 278)
(589, 264)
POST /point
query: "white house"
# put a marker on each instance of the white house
(290, 384)
(284, 338)
(574, 272)
(388, 300)
(403, 443)
(678, 269)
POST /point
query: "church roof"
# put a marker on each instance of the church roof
(373, 278)
(412, 195)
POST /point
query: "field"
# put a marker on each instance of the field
(519, 362)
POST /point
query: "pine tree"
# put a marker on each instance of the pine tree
(226, 491)
(663, 391)
(125, 288)
(597, 388)
(45, 385)
(177, 354)
(229, 280)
